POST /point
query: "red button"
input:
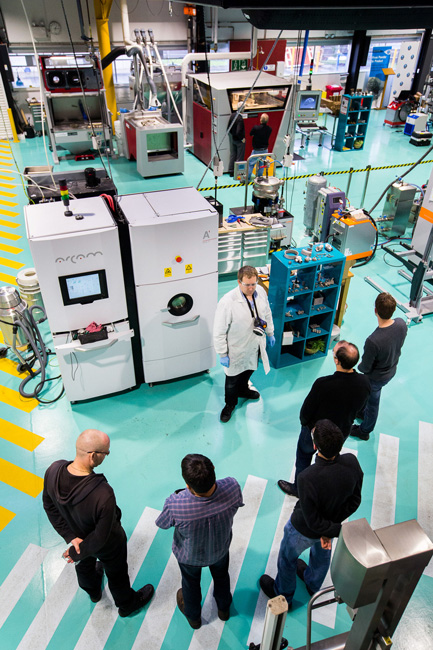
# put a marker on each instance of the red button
(178, 258)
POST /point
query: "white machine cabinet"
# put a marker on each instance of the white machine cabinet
(79, 268)
(174, 243)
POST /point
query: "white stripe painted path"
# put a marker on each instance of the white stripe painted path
(385, 483)
(209, 635)
(256, 629)
(19, 578)
(425, 483)
(104, 615)
(52, 611)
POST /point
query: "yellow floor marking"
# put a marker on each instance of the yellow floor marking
(13, 398)
(9, 279)
(9, 366)
(11, 194)
(5, 164)
(10, 249)
(3, 202)
(6, 517)
(20, 478)
(4, 157)
(8, 213)
(9, 224)
(12, 187)
(8, 235)
(12, 263)
(7, 175)
(19, 436)
(1, 338)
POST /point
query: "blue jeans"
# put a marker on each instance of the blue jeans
(191, 589)
(255, 161)
(292, 545)
(304, 451)
(371, 410)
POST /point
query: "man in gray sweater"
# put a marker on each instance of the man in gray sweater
(379, 361)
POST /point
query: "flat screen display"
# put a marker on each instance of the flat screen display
(308, 102)
(82, 288)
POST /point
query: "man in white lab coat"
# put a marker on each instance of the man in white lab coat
(243, 321)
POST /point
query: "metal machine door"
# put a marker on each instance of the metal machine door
(176, 321)
(96, 369)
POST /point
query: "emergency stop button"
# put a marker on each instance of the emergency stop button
(178, 259)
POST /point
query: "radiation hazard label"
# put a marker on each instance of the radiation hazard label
(188, 268)
(168, 272)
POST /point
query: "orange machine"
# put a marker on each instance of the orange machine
(353, 234)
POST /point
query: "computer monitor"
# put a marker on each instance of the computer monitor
(307, 104)
(82, 288)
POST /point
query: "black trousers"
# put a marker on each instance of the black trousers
(191, 589)
(236, 386)
(115, 566)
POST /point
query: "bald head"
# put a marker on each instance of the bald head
(346, 355)
(92, 440)
(264, 118)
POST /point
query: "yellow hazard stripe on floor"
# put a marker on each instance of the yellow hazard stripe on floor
(8, 213)
(4, 261)
(8, 185)
(1, 338)
(10, 194)
(9, 235)
(9, 224)
(4, 157)
(9, 366)
(19, 436)
(10, 249)
(9, 279)
(13, 398)
(10, 203)
(7, 176)
(6, 517)
(20, 478)
(5, 164)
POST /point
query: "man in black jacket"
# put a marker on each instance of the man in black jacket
(82, 508)
(260, 134)
(329, 492)
(237, 139)
(338, 397)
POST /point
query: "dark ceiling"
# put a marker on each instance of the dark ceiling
(338, 14)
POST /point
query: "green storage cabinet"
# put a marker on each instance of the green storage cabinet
(303, 299)
(353, 122)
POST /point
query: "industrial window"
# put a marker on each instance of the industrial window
(327, 59)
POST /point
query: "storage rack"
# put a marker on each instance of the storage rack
(353, 122)
(303, 298)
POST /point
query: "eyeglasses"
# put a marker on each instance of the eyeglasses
(106, 453)
(253, 284)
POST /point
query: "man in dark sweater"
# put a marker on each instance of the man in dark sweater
(379, 361)
(260, 134)
(329, 492)
(82, 508)
(338, 397)
(237, 139)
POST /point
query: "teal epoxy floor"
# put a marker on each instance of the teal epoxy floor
(152, 428)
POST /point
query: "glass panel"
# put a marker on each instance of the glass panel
(259, 100)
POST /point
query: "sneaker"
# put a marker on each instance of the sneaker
(223, 615)
(195, 624)
(267, 585)
(300, 570)
(142, 597)
(288, 488)
(251, 394)
(356, 432)
(226, 413)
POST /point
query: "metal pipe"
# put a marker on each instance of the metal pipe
(125, 23)
(327, 590)
(368, 168)
(349, 180)
(253, 46)
(304, 52)
(214, 14)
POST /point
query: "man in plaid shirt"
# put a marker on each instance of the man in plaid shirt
(202, 516)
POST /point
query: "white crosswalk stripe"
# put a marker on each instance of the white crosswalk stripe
(385, 483)
(425, 483)
(104, 615)
(19, 578)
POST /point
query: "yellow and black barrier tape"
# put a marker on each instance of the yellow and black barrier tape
(296, 178)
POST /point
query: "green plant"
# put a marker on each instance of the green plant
(315, 345)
